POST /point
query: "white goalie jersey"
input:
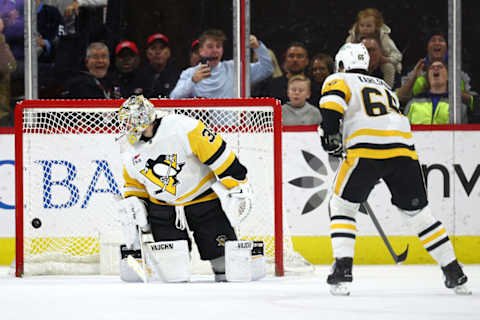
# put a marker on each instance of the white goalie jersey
(365, 103)
(179, 164)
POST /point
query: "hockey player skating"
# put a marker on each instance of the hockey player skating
(361, 120)
(179, 175)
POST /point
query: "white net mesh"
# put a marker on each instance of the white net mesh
(72, 171)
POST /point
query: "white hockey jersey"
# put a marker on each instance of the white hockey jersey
(178, 165)
(373, 126)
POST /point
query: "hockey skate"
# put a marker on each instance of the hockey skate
(341, 277)
(455, 278)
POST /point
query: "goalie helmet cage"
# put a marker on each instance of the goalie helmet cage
(67, 165)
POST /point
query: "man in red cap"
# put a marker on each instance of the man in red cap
(126, 80)
(159, 74)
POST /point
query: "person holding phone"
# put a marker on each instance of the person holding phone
(214, 78)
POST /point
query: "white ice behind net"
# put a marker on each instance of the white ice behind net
(72, 171)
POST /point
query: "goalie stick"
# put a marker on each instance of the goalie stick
(149, 256)
(141, 269)
(397, 258)
(137, 267)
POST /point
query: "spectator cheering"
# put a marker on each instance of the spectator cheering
(214, 78)
(415, 82)
(432, 106)
(94, 83)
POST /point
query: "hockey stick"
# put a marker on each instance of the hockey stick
(142, 269)
(397, 258)
(139, 269)
(142, 250)
(147, 253)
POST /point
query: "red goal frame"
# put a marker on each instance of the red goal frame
(52, 104)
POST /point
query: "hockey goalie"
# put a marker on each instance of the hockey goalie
(179, 175)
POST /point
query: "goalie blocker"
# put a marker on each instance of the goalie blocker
(169, 261)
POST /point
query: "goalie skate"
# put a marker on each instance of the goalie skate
(455, 278)
(341, 277)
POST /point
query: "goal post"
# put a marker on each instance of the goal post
(67, 169)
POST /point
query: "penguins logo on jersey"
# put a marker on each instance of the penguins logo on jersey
(221, 239)
(163, 172)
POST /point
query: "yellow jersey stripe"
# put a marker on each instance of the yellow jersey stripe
(338, 85)
(140, 194)
(347, 164)
(434, 236)
(205, 179)
(131, 182)
(203, 142)
(342, 226)
(209, 197)
(231, 183)
(332, 106)
(382, 154)
(380, 133)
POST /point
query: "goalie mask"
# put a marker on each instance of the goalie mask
(352, 56)
(135, 115)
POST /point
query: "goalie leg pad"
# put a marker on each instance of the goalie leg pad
(244, 260)
(172, 258)
(343, 226)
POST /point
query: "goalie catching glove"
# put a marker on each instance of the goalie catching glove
(132, 213)
(332, 143)
(236, 202)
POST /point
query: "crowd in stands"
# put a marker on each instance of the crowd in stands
(81, 56)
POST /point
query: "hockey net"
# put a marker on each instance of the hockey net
(68, 171)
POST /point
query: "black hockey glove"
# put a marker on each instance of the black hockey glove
(332, 143)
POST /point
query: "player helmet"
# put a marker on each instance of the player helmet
(135, 115)
(352, 56)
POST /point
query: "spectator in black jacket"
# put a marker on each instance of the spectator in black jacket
(95, 83)
(126, 79)
(159, 74)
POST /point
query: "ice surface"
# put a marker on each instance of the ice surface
(378, 292)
